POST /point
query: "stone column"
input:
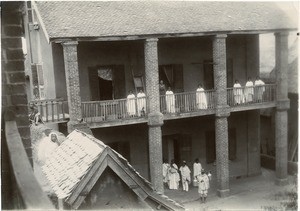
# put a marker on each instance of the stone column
(155, 117)
(222, 113)
(283, 104)
(73, 87)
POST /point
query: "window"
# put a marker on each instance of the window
(38, 81)
(172, 76)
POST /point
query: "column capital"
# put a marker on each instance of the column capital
(69, 43)
(220, 36)
(283, 105)
(151, 40)
(282, 33)
(155, 119)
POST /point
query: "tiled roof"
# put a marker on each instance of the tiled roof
(63, 19)
(71, 161)
(70, 165)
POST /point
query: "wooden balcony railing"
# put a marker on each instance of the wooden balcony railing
(97, 111)
(251, 95)
(187, 102)
(52, 110)
(20, 189)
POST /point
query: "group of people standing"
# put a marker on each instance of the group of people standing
(136, 106)
(251, 92)
(172, 176)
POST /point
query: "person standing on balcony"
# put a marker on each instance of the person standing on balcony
(201, 101)
(170, 101)
(238, 93)
(141, 103)
(162, 88)
(131, 109)
(35, 116)
(196, 170)
(173, 176)
(185, 176)
(259, 89)
(249, 91)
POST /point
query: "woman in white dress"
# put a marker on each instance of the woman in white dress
(170, 101)
(141, 103)
(238, 93)
(260, 89)
(131, 110)
(174, 177)
(249, 91)
(201, 101)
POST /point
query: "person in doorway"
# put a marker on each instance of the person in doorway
(249, 91)
(201, 101)
(166, 167)
(173, 176)
(141, 103)
(185, 176)
(162, 87)
(170, 101)
(131, 109)
(238, 93)
(203, 186)
(259, 89)
(196, 170)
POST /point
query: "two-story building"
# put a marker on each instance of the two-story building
(92, 54)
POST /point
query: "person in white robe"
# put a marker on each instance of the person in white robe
(131, 109)
(174, 177)
(201, 101)
(46, 147)
(166, 167)
(141, 103)
(249, 91)
(238, 93)
(170, 101)
(203, 185)
(185, 176)
(196, 170)
(259, 89)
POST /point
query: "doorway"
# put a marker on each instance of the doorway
(177, 147)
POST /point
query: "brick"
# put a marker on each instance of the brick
(14, 42)
(6, 89)
(14, 66)
(19, 99)
(16, 77)
(9, 113)
(14, 54)
(22, 120)
(18, 88)
(13, 30)
(21, 109)
(4, 101)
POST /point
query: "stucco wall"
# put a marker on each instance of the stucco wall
(196, 127)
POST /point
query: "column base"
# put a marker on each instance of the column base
(79, 126)
(223, 193)
(281, 182)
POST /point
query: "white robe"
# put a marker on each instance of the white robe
(131, 105)
(141, 103)
(166, 167)
(170, 102)
(249, 91)
(238, 93)
(260, 89)
(173, 177)
(203, 182)
(197, 169)
(44, 149)
(201, 101)
(185, 173)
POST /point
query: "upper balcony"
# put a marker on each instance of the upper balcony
(180, 105)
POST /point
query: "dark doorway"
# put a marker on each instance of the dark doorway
(105, 89)
(107, 82)
(177, 147)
